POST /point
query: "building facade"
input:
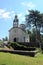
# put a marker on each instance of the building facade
(18, 34)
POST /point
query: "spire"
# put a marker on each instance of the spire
(15, 18)
(15, 22)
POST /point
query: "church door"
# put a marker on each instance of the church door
(24, 39)
(14, 39)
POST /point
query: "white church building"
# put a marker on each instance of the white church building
(18, 33)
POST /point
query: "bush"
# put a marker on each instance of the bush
(18, 46)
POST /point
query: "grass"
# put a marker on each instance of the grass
(15, 59)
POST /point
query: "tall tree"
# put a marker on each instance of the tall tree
(35, 19)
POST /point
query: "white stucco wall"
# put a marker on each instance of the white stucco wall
(19, 34)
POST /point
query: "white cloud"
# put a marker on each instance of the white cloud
(23, 18)
(12, 11)
(2, 11)
(27, 12)
(22, 3)
(5, 14)
(19, 15)
(30, 5)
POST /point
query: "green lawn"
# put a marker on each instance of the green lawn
(14, 59)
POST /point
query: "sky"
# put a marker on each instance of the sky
(10, 8)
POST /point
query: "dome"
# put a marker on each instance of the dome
(22, 26)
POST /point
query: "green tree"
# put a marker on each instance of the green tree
(33, 35)
(35, 19)
(5, 39)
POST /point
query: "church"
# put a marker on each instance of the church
(18, 33)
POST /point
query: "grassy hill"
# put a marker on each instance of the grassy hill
(15, 59)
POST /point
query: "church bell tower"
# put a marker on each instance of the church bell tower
(15, 22)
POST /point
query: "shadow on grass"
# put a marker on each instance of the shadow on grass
(3, 64)
(27, 53)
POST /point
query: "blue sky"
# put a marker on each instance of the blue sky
(8, 9)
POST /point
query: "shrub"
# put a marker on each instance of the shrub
(18, 46)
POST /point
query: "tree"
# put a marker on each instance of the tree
(33, 35)
(5, 39)
(35, 19)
